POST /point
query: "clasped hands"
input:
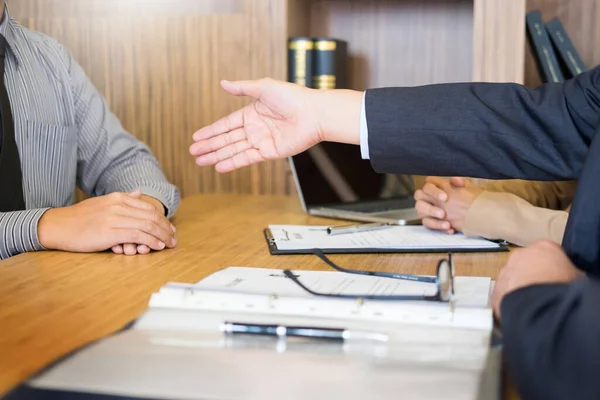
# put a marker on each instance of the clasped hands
(443, 204)
(126, 223)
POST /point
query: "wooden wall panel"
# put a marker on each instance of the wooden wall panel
(400, 42)
(581, 19)
(159, 65)
(498, 41)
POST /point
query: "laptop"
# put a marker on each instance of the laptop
(334, 181)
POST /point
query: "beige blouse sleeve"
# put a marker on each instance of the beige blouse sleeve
(508, 217)
(556, 195)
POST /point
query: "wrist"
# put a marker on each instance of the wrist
(338, 115)
(48, 230)
(160, 207)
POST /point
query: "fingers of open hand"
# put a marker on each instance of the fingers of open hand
(251, 88)
(248, 157)
(226, 124)
(210, 145)
(225, 152)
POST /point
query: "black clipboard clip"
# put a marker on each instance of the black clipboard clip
(272, 240)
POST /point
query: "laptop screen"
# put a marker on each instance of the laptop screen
(334, 173)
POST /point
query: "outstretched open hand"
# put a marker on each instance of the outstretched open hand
(281, 122)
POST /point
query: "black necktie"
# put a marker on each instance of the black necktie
(11, 184)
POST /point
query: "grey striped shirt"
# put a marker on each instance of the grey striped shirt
(66, 136)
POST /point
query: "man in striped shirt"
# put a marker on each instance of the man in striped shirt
(66, 137)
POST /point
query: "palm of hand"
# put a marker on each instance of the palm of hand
(277, 128)
(279, 123)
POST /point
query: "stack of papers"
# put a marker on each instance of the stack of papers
(268, 291)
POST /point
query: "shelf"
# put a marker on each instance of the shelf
(415, 42)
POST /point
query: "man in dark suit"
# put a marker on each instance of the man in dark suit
(547, 301)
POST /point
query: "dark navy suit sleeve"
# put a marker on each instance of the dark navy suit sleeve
(499, 131)
(552, 340)
(484, 130)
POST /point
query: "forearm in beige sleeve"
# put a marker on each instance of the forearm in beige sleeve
(507, 217)
(547, 194)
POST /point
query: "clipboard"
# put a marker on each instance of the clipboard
(274, 248)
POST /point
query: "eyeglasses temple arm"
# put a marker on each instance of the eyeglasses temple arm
(406, 277)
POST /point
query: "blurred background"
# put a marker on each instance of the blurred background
(159, 62)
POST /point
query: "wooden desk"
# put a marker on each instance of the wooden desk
(52, 303)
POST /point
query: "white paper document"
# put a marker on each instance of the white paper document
(305, 237)
(258, 290)
(470, 291)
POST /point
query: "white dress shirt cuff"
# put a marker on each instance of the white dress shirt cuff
(364, 131)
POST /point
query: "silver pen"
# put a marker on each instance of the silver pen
(337, 230)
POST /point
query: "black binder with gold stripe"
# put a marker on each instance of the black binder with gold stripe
(330, 64)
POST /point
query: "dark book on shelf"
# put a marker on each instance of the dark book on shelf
(543, 51)
(567, 53)
(330, 63)
(300, 60)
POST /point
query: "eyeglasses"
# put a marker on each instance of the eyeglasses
(444, 281)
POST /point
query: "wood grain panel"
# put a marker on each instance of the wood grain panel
(160, 70)
(298, 17)
(116, 8)
(400, 43)
(52, 302)
(499, 41)
(581, 20)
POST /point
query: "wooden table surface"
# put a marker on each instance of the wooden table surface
(52, 302)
